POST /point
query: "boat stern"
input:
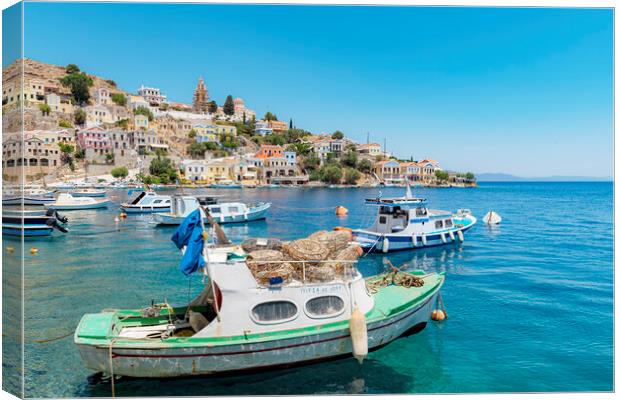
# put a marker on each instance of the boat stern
(92, 338)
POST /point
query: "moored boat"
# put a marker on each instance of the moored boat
(88, 193)
(241, 323)
(66, 201)
(405, 223)
(147, 202)
(223, 213)
(32, 222)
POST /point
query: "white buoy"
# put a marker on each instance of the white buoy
(359, 335)
(414, 240)
(492, 218)
(443, 237)
(424, 239)
(460, 234)
(451, 233)
(386, 245)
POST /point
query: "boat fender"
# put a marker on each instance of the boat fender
(414, 239)
(443, 237)
(197, 321)
(451, 236)
(245, 216)
(221, 218)
(424, 239)
(386, 245)
(116, 220)
(438, 315)
(341, 211)
(359, 335)
(460, 234)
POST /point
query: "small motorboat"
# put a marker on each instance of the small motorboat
(226, 184)
(66, 201)
(492, 218)
(404, 223)
(88, 193)
(27, 197)
(223, 213)
(147, 202)
(244, 322)
(32, 222)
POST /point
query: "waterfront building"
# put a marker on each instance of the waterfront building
(388, 171)
(152, 95)
(411, 171)
(278, 170)
(427, 169)
(147, 141)
(291, 157)
(96, 143)
(201, 98)
(269, 150)
(30, 152)
(58, 104)
(262, 128)
(195, 170)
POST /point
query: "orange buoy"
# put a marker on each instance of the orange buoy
(10, 249)
(123, 215)
(438, 315)
(34, 250)
(341, 211)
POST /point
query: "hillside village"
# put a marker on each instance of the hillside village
(78, 124)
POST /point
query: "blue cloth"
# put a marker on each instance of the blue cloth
(189, 234)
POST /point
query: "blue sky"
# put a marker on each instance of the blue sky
(523, 91)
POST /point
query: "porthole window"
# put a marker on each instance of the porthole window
(324, 306)
(448, 223)
(273, 312)
(439, 224)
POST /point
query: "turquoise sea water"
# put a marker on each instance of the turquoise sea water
(530, 302)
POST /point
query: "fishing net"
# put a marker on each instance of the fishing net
(334, 240)
(305, 250)
(350, 253)
(250, 245)
(264, 258)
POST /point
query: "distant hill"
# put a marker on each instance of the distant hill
(501, 177)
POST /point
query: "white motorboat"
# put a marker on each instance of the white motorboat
(66, 201)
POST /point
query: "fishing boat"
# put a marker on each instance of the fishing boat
(32, 222)
(147, 202)
(223, 213)
(27, 197)
(67, 201)
(239, 323)
(88, 193)
(405, 223)
(226, 184)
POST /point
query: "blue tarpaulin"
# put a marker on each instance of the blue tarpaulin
(189, 234)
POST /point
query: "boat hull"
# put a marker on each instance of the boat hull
(73, 207)
(375, 242)
(136, 209)
(89, 194)
(26, 230)
(27, 201)
(238, 358)
(169, 219)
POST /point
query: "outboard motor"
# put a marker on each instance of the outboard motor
(53, 213)
(54, 224)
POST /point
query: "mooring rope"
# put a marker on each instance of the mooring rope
(54, 339)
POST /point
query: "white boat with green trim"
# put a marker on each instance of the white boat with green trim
(240, 324)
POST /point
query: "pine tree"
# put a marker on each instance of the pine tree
(229, 106)
(290, 124)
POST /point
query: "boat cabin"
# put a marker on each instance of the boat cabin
(149, 198)
(395, 214)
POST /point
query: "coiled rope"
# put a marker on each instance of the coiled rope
(394, 277)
